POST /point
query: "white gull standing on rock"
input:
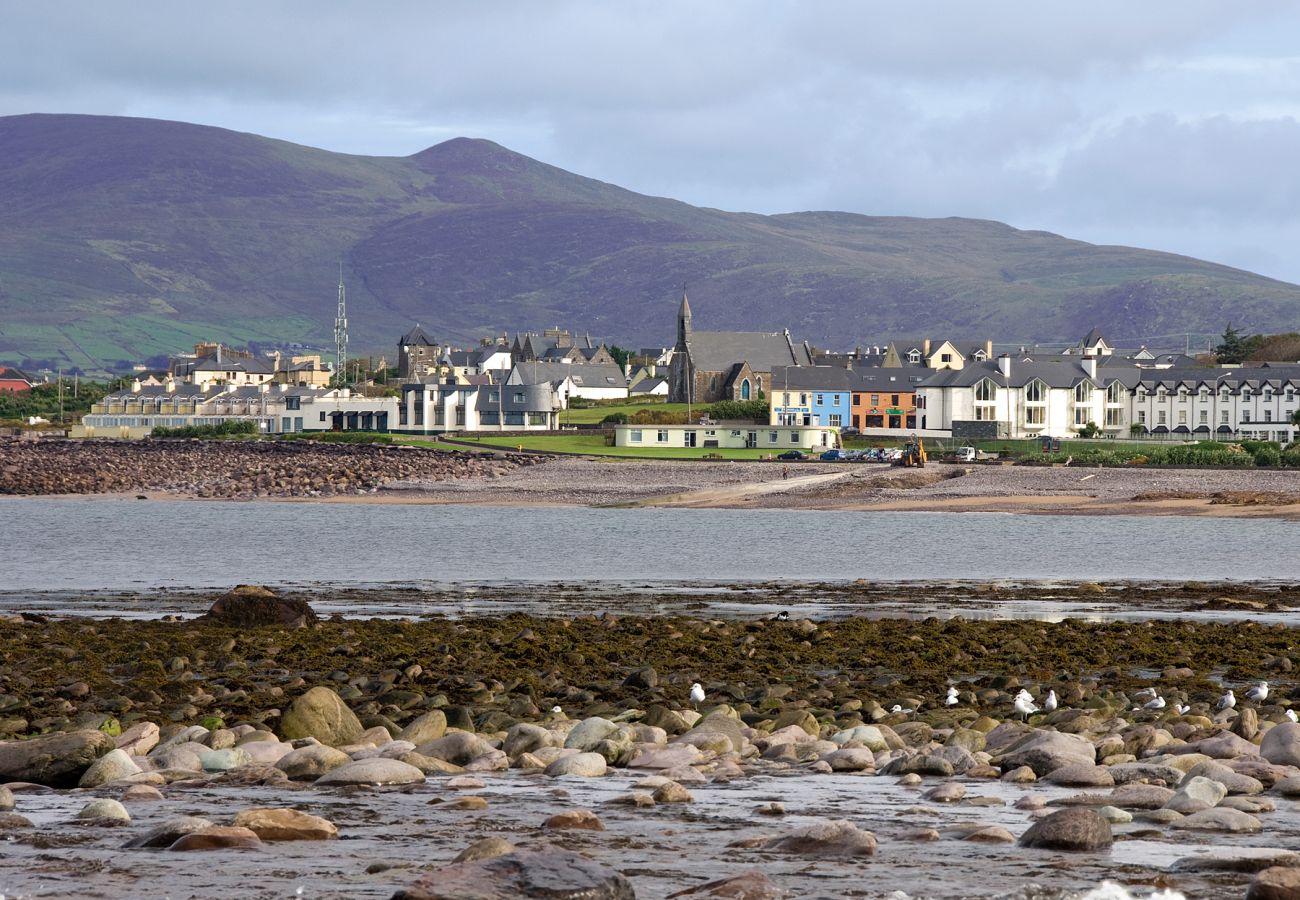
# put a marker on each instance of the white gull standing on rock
(951, 700)
(1290, 714)
(697, 693)
(1259, 693)
(1025, 705)
(1157, 703)
(1227, 701)
(1050, 703)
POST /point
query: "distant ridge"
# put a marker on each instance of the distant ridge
(125, 238)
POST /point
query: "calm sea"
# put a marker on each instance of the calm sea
(134, 545)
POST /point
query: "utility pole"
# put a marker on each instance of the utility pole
(341, 330)
(60, 396)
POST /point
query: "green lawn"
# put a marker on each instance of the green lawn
(594, 445)
(596, 414)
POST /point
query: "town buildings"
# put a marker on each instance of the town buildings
(708, 366)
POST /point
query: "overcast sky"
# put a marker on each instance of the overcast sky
(1171, 125)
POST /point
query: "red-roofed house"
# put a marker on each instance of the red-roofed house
(13, 382)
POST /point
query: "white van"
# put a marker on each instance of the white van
(966, 454)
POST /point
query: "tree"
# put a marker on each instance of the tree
(1091, 430)
(1236, 347)
(620, 355)
(1295, 417)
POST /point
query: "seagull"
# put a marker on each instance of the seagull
(557, 709)
(1050, 703)
(782, 616)
(1227, 701)
(1157, 703)
(1024, 695)
(1025, 705)
(697, 693)
(1259, 693)
(898, 709)
(1147, 693)
(1290, 714)
(1182, 709)
(952, 697)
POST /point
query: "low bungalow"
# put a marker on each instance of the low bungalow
(13, 381)
(733, 435)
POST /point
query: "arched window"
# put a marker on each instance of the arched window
(744, 389)
(986, 393)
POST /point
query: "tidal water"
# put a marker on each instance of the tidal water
(101, 544)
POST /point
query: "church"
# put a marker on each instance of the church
(708, 366)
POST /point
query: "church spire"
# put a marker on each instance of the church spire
(684, 321)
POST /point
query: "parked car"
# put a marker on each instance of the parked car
(834, 455)
(890, 454)
(792, 455)
(849, 430)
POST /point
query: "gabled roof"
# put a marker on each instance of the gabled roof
(596, 375)
(811, 378)
(648, 385)
(1055, 373)
(416, 337)
(10, 373)
(718, 351)
(536, 398)
(253, 366)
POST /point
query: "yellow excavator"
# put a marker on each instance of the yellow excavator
(913, 453)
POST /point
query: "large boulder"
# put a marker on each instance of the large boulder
(285, 825)
(552, 873)
(584, 765)
(1281, 744)
(1277, 883)
(456, 747)
(590, 732)
(715, 725)
(1076, 828)
(1047, 751)
(113, 765)
(423, 729)
(1196, 794)
(836, 837)
(1233, 821)
(164, 834)
(311, 762)
(248, 605)
(54, 760)
(321, 714)
(374, 771)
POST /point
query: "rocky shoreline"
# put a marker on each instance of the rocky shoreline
(235, 470)
(522, 739)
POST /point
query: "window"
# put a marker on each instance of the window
(1245, 415)
(1114, 416)
(537, 418)
(494, 397)
(914, 356)
(821, 399)
(1162, 418)
(1182, 417)
(1162, 394)
(945, 357)
(1268, 393)
(519, 396)
(634, 436)
(1036, 415)
(322, 415)
(1115, 393)
(1223, 417)
(1142, 416)
(986, 393)
(1268, 415)
(293, 403)
(875, 399)
(835, 421)
(785, 399)
(857, 399)
(1035, 392)
(1225, 394)
(1290, 395)
(771, 437)
(794, 437)
(803, 399)
(1205, 417)
(662, 436)
(893, 400)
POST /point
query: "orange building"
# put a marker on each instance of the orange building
(883, 398)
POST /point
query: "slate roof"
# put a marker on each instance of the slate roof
(1252, 377)
(253, 366)
(718, 351)
(582, 376)
(648, 385)
(10, 373)
(1055, 373)
(416, 336)
(536, 398)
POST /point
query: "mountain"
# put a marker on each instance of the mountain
(121, 239)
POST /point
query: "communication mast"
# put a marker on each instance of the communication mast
(341, 330)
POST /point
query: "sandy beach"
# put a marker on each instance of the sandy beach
(839, 486)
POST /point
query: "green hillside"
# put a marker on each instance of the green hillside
(121, 239)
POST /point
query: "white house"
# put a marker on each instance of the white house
(593, 381)
(1238, 403)
(436, 408)
(1016, 398)
(736, 435)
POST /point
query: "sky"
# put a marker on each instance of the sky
(1169, 125)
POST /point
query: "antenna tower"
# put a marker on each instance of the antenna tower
(341, 330)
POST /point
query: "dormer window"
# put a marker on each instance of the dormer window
(914, 356)
(1035, 392)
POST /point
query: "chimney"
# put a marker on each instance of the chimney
(1004, 365)
(925, 347)
(170, 384)
(988, 349)
(1090, 366)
